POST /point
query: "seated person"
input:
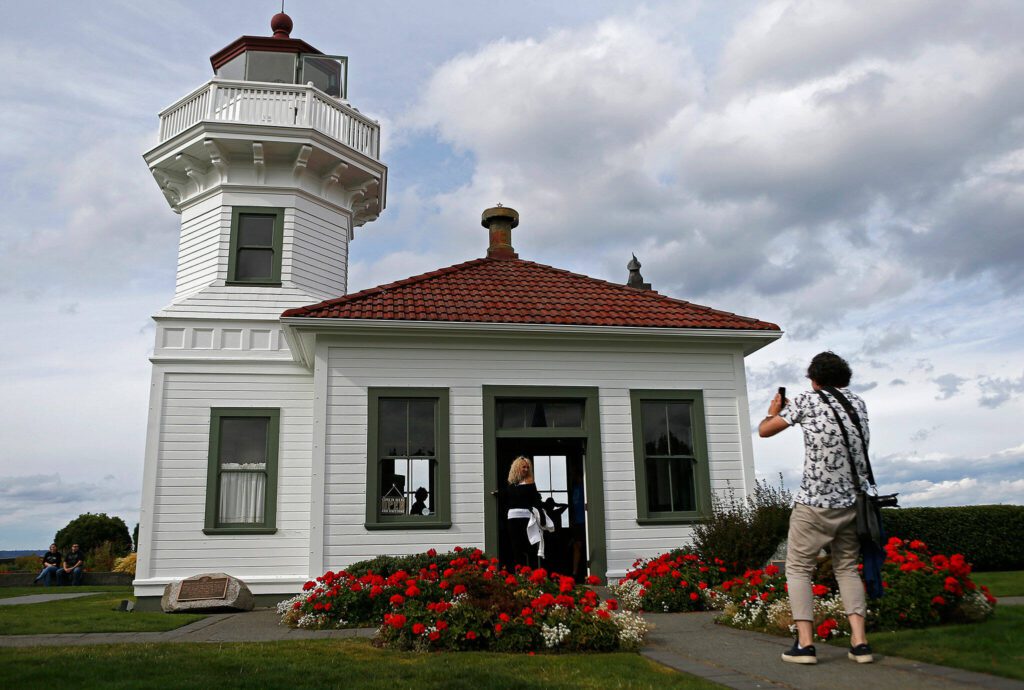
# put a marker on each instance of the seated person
(51, 564)
(74, 566)
(419, 506)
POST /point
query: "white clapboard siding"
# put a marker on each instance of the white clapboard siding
(314, 258)
(464, 370)
(179, 547)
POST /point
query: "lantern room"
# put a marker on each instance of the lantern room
(281, 59)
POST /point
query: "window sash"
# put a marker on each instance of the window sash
(237, 246)
(227, 512)
(697, 485)
(439, 497)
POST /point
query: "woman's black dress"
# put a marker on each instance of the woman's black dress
(527, 497)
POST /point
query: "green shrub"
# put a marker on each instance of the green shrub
(989, 537)
(744, 533)
(29, 563)
(90, 530)
(101, 558)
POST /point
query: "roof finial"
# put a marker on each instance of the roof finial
(635, 279)
(499, 222)
(281, 23)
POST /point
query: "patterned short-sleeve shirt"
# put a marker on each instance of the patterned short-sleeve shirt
(827, 482)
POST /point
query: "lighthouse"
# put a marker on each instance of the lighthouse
(271, 169)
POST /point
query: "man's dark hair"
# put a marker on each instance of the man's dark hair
(829, 369)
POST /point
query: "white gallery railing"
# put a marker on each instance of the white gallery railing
(281, 105)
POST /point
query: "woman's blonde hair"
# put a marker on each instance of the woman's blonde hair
(521, 469)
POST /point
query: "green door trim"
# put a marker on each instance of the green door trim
(593, 472)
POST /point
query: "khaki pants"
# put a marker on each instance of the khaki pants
(811, 529)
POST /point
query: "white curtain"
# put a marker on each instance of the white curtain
(241, 497)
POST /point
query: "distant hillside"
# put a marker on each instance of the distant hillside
(21, 552)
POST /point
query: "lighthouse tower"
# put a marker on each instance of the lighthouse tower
(271, 169)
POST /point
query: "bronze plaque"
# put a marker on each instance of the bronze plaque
(203, 588)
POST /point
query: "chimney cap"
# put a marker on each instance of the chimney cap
(497, 213)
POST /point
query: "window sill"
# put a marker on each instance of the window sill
(672, 520)
(239, 530)
(254, 283)
(406, 525)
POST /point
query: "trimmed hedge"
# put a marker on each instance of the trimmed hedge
(989, 537)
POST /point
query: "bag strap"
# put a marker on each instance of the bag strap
(846, 441)
(855, 418)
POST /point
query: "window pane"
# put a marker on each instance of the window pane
(254, 263)
(273, 67)
(512, 414)
(233, 68)
(407, 486)
(243, 442)
(655, 424)
(680, 433)
(421, 427)
(256, 230)
(564, 414)
(241, 498)
(324, 72)
(670, 485)
(542, 472)
(392, 425)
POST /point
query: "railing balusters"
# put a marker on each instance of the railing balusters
(284, 106)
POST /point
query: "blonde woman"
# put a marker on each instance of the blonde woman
(521, 497)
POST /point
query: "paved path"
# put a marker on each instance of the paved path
(43, 598)
(693, 643)
(688, 642)
(255, 626)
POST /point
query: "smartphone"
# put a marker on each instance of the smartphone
(782, 395)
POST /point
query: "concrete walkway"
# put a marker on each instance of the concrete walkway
(688, 642)
(260, 625)
(43, 598)
(693, 643)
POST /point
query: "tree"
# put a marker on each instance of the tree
(93, 529)
(135, 538)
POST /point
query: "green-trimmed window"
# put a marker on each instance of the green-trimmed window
(241, 489)
(256, 240)
(407, 474)
(670, 456)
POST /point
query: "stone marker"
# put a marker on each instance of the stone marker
(207, 592)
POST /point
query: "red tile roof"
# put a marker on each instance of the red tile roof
(518, 291)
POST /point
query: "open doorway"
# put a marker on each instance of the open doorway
(560, 472)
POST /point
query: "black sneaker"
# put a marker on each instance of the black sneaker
(798, 655)
(861, 654)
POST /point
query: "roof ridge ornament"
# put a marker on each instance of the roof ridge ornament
(499, 221)
(636, 280)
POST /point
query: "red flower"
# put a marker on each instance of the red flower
(376, 590)
(497, 628)
(470, 635)
(918, 545)
(819, 590)
(327, 606)
(459, 589)
(308, 586)
(397, 621)
(503, 617)
(603, 614)
(412, 591)
(397, 599)
(826, 627)
(434, 636)
(938, 601)
(528, 621)
(702, 585)
(771, 570)
(593, 580)
(418, 628)
(694, 596)
(431, 552)
(611, 604)
(441, 625)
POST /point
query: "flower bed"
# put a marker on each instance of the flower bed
(464, 601)
(672, 582)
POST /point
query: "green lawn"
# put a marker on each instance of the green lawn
(8, 592)
(1009, 583)
(351, 664)
(995, 646)
(86, 614)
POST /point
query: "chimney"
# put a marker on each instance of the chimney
(499, 222)
(635, 279)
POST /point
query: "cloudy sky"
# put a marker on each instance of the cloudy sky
(852, 171)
